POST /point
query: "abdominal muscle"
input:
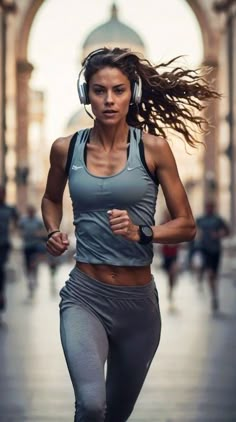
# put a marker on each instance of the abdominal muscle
(120, 276)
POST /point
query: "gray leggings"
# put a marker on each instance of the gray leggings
(116, 325)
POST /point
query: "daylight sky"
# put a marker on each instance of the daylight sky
(168, 28)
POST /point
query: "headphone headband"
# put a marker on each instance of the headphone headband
(93, 53)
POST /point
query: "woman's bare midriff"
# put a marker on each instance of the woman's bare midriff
(120, 276)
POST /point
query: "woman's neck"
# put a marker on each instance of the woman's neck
(109, 136)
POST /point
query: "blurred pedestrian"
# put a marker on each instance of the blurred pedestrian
(33, 235)
(170, 266)
(212, 228)
(169, 253)
(195, 260)
(8, 216)
(109, 306)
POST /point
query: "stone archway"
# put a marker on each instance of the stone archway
(24, 68)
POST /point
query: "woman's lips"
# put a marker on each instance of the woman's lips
(110, 112)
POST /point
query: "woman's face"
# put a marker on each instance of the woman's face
(109, 94)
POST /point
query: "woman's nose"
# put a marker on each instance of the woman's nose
(109, 98)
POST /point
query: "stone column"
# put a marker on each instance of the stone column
(228, 8)
(233, 205)
(211, 170)
(5, 9)
(231, 44)
(24, 70)
(2, 95)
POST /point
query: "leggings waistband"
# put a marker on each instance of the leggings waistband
(98, 287)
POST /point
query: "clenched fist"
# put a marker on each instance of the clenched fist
(120, 223)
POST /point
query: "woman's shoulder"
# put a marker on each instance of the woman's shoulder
(158, 148)
(61, 145)
(60, 148)
(155, 143)
(62, 142)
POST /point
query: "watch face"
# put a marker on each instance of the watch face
(146, 234)
(147, 231)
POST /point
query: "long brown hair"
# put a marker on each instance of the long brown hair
(171, 99)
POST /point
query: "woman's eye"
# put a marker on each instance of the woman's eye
(98, 91)
(119, 90)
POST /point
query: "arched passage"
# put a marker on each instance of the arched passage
(23, 68)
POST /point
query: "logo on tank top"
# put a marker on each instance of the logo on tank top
(76, 167)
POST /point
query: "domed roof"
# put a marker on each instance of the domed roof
(113, 31)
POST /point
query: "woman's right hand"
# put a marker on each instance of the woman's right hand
(58, 243)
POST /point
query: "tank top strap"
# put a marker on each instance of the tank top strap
(81, 140)
(134, 155)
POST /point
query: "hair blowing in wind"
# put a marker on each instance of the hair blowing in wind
(171, 99)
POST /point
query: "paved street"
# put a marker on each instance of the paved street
(192, 378)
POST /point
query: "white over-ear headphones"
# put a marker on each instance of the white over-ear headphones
(137, 91)
(83, 88)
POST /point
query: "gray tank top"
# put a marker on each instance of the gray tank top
(131, 189)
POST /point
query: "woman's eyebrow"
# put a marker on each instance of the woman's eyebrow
(103, 86)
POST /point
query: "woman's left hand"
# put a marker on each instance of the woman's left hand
(121, 224)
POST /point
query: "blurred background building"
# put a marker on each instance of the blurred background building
(23, 147)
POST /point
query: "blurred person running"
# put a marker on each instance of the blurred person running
(33, 235)
(8, 215)
(169, 253)
(212, 228)
(170, 266)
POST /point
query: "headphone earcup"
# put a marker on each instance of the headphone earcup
(134, 93)
(82, 92)
(137, 91)
(82, 86)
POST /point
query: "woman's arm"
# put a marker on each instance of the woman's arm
(181, 227)
(52, 201)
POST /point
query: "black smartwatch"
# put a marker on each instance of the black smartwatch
(146, 235)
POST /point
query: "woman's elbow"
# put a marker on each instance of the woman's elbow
(192, 231)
